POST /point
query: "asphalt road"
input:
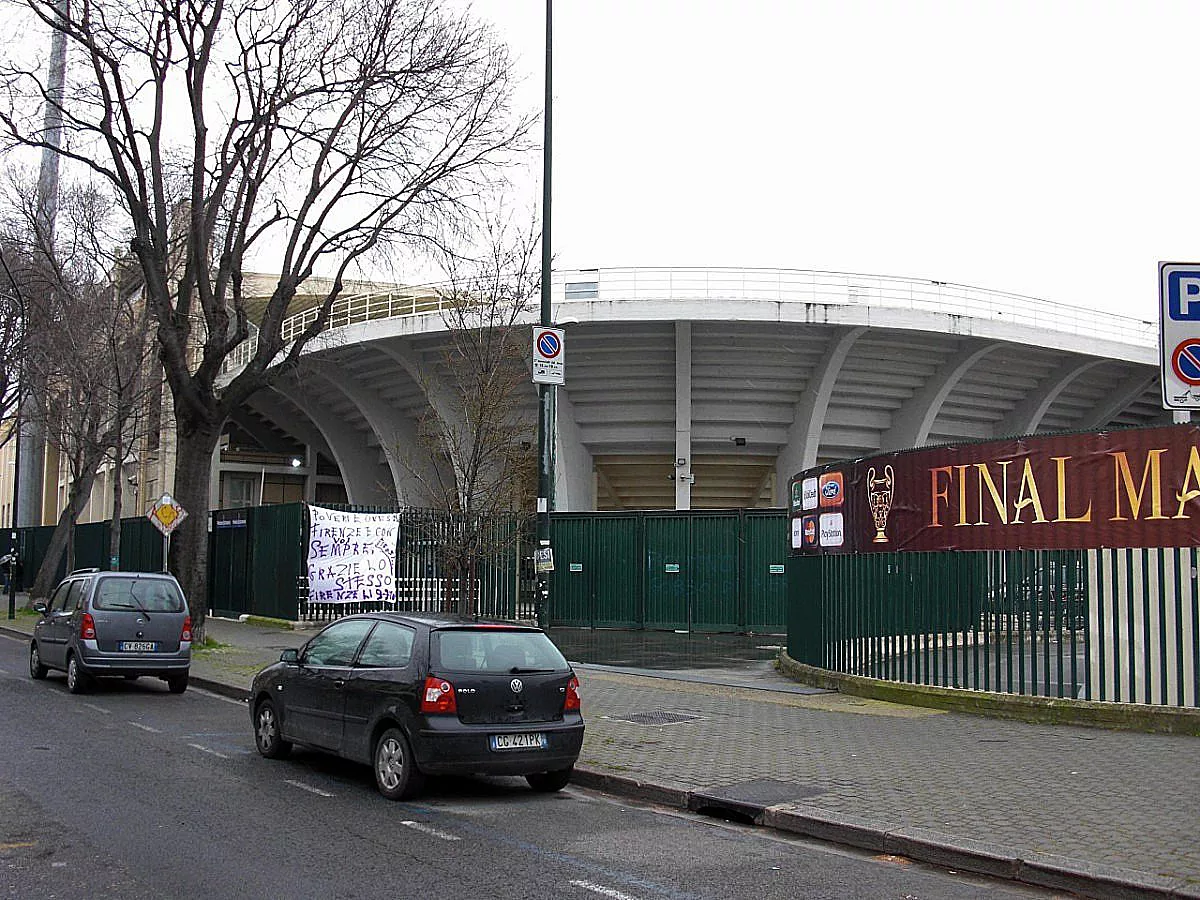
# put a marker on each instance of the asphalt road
(131, 792)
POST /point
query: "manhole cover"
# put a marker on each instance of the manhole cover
(656, 718)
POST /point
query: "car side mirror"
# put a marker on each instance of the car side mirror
(40, 607)
(290, 655)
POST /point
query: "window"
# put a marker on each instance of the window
(388, 647)
(59, 600)
(238, 490)
(75, 598)
(146, 594)
(335, 645)
(582, 290)
(497, 651)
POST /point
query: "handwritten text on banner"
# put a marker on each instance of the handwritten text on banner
(351, 556)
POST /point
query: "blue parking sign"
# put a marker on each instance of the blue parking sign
(1183, 295)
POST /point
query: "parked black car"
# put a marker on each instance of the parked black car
(415, 695)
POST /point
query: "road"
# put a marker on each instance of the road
(130, 792)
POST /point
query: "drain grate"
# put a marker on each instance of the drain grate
(656, 718)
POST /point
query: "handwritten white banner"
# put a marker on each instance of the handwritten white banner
(351, 556)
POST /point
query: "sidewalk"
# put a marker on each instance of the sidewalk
(1105, 814)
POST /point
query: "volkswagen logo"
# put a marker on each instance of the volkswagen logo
(516, 685)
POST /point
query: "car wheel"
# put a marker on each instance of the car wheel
(549, 782)
(77, 679)
(177, 684)
(396, 774)
(267, 736)
(36, 669)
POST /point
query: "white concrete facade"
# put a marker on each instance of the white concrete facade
(709, 388)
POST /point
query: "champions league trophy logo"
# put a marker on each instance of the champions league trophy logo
(879, 495)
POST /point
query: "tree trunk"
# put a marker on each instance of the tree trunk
(189, 542)
(63, 532)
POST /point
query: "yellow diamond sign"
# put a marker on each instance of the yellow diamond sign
(166, 514)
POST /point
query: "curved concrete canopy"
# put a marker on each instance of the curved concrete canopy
(749, 375)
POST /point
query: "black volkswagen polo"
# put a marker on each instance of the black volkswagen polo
(415, 695)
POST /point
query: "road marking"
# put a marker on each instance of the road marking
(308, 787)
(18, 845)
(426, 829)
(600, 889)
(147, 728)
(204, 749)
(99, 709)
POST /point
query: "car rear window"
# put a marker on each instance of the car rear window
(495, 651)
(148, 594)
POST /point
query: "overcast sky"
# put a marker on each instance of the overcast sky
(1041, 147)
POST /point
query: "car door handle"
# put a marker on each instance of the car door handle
(339, 682)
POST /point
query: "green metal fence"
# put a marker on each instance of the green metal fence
(1097, 625)
(141, 548)
(697, 571)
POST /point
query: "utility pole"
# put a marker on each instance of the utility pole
(14, 535)
(31, 444)
(545, 391)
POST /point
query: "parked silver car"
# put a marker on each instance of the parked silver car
(114, 623)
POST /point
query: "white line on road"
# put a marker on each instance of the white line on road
(426, 829)
(99, 709)
(307, 787)
(204, 749)
(145, 727)
(611, 893)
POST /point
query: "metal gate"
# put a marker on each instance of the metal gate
(693, 570)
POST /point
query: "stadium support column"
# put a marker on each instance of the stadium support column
(683, 415)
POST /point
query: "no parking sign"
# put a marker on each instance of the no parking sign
(549, 361)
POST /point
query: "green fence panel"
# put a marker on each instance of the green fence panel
(229, 562)
(617, 573)
(141, 545)
(277, 555)
(764, 551)
(576, 565)
(714, 573)
(667, 572)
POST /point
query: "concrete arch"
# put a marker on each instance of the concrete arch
(1026, 416)
(365, 479)
(912, 423)
(804, 435)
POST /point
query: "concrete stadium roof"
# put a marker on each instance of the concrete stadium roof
(747, 375)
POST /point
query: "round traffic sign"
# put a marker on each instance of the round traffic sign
(548, 344)
(1185, 362)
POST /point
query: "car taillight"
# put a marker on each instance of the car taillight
(572, 701)
(438, 696)
(87, 628)
(186, 634)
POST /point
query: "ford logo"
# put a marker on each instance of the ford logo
(830, 489)
(516, 685)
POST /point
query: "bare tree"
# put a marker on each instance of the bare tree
(317, 132)
(89, 340)
(475, 462)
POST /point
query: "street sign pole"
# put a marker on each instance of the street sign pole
(545, 391)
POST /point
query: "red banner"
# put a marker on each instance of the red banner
(1130, 488)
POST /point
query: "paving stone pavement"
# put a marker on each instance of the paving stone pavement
(1120, 800)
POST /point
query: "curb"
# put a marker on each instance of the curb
(1038, 710)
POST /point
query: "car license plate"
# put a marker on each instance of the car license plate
(528, 741)
(138, 646)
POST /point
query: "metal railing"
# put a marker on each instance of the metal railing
(1108, 625)
(773, 285)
